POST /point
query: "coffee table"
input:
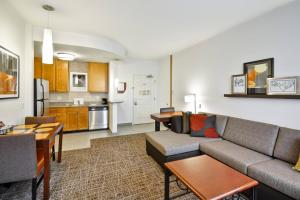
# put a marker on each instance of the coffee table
(208, 178)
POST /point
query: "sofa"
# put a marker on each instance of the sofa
(262, 151)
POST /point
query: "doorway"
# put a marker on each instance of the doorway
(143, 98)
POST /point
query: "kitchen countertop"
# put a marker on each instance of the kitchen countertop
(67, 104)
(115, 101)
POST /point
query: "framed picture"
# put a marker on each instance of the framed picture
(239, 84)
(9, 74)
(78, 82)
(257, 74)
(283, 86)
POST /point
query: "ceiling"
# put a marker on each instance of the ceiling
(83, 54)
(146, 28)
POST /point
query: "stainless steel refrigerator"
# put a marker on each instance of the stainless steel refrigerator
(41, 97)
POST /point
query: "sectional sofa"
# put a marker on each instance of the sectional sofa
(262, 151)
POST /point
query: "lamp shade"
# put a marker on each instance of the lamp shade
(190, 98)
(47, 49)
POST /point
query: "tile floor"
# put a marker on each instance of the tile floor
(82, 140)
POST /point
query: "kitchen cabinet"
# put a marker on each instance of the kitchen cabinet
(98, 77)
(48, 73)
(59, 113)
(83, 118)
(45, 71)
(61, 76)
(73, 118)
(57, 74)
(37, 67)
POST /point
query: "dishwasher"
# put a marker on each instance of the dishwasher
(98, 117)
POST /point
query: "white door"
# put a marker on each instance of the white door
(143, 98)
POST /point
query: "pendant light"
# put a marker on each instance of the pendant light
(47, 49)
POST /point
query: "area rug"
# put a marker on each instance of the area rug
(113, 168)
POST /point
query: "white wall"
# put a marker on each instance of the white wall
(29, 70)
(206, 68)
(124, 71)
(13, 34)
(163, 82)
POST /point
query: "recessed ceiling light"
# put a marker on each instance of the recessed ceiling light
(65, 56)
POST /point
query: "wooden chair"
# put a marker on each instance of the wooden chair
(165, 110)
(43, 120)
(20, 160)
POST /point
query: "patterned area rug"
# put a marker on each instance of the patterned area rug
(113, 168)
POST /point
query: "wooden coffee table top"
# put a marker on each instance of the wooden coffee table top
(208, 178)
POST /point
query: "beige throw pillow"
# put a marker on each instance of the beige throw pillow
(297, 166)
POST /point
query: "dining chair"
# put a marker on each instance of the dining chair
(20, 160)
(165, 110)
(44, 120)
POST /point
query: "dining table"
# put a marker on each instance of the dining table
(44, 135)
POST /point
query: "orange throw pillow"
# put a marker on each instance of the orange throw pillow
(203, 126)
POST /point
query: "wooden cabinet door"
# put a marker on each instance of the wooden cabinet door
(59, 113)
(71, 119)
(37, 67)
(52, 112)
(61, 117)
(61, 76)
(83, 118)
(48, 73)
(98, 77)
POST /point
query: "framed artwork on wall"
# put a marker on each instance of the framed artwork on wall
(78, 82)
(9, 74)
(283, 86)
(257, 74)
(239, 84)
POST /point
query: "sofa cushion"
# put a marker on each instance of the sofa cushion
(203, 126)
(287, 146)
(170, 143)
(278, 175)
(221, 122)
(186, 122)
(257, 136)
(176, 124)
(233, 155)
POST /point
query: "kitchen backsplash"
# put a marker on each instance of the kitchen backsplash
(78, 66)
(68, 97)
